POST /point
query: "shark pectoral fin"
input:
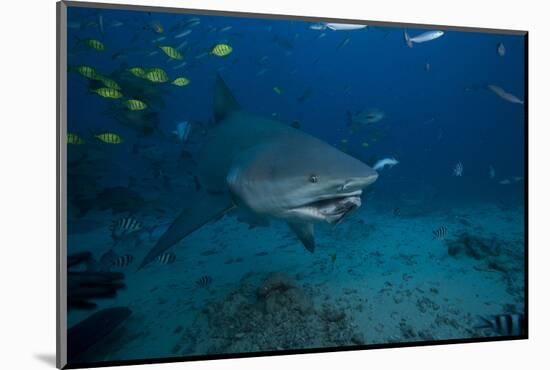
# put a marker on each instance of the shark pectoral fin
(304, 232)
(200, 209)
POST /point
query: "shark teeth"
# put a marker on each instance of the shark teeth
(333, 210)
(338, 210)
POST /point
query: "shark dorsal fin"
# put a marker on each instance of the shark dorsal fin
(224, 101)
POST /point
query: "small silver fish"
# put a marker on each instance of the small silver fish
(343, 43)
(261, 72)
(363, 118)
(182, 45)
(100, 24)
(344, 26)
(194, 22)
(501, 50)
(116, 24)
(181, 65)
(159, 39)
(183, 34)
(423, 37)
(503, 94)
(458, 169)
(383, 163)
(318, 26)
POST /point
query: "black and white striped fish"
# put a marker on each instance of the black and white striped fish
(204, 281)
(440, 233)
(166, 258)
(125, 226)
(123, 261)
(505, 324)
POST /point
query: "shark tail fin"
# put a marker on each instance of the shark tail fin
(224, 101)
(407, 39)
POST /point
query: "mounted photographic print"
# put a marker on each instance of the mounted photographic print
(235, 184)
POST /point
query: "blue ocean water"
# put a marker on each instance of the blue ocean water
(435, 251)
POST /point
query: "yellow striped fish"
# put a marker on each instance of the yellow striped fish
(171, 52)
(181, 81)
(134, 104)
(221, 50)
(74, 139)
(108, 92)
(137, 71)
(94, 44)
(156, 75)
(109, 138)
(87, 71)
(109, 82)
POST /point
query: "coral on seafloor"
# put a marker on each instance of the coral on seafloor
(495, 255)
(271, 312)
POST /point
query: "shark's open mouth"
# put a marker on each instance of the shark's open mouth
(334, 210)
(331, 210)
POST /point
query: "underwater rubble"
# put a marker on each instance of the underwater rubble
(268, 312)
(496, 255)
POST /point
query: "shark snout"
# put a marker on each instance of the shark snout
(358, 183)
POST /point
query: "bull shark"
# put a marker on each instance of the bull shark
(270, 170)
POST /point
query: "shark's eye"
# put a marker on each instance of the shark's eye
(313, 179)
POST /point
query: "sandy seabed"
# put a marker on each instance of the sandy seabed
(379, 277)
